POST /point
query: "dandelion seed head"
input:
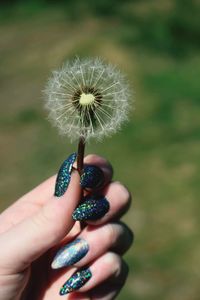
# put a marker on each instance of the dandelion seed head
(87, 98)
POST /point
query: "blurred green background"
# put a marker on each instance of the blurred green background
(157, 154)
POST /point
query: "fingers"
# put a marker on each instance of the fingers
(32, 237)
(47, 188)
(111, 204)
(32, 202)
(109, 267)
(43, 192)
(93, 242)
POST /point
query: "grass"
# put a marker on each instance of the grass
(156, 154)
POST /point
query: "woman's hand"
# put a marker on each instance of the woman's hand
(41, 245)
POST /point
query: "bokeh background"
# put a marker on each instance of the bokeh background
(157, 154)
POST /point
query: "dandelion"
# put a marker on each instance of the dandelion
(87, 99)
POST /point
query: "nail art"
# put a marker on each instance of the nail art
(70, 254)
(64, 175)
(92, 177)
(76, 281)
(93, 208)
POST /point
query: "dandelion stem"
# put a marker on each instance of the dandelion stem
(80, 157)
(81, 151)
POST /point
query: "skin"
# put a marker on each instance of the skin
(38, 224)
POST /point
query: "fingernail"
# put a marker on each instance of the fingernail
(70, 254)
(64, 175)
(76, 281)
(92, 177)
(93, 208)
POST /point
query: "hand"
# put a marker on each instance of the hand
(36, 226)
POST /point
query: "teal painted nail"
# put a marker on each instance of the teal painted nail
(92, 177)
(76, 281)
(64, 175)
(93, 208)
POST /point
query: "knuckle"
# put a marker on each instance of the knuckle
(94, 158)
(124, 192)
(121, 273)
(114, 262)
(124, 239)
(117, 264)
(98, 160)
(91, 157)
(111, 233)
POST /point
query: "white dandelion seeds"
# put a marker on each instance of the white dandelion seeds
(87, 98)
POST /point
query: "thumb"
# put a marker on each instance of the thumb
(31, 238)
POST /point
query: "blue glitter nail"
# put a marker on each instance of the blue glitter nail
(70, 254)
(92, 177)
(76, 281)
(64, 175)
(93, 208)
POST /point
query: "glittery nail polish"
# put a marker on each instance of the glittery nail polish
(70, 254)
(76, 281)
(64, 175)
(93, 208)
(92, 177)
